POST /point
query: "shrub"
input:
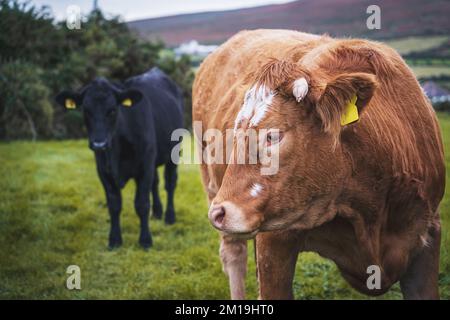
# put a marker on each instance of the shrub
(25, 110)
(180, 70)
(442, 106)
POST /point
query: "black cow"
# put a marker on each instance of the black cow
(129, 128)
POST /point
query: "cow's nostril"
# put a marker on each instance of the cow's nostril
(216, 215)
(220, 215)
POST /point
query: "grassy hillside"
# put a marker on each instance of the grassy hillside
(416, 44)
(53, 214)
(423, 72)
(428, 57)
(399, 18)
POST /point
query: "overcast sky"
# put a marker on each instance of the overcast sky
(139, 9)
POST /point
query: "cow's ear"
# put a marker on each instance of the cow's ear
(69, 99)
(129, 98)
(344, 99)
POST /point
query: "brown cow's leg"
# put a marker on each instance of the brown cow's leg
(421, 278)
(276, 258)
(233, 253)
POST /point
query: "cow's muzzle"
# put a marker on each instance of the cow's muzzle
(230, 219)
(98, 145)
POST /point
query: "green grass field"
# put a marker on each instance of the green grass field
(53, 214)
(416, 44)
(430, 71)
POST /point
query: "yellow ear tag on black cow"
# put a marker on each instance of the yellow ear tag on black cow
(350, 114)
(70, 104)
(127, 102)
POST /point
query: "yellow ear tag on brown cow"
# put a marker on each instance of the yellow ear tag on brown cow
(70, 103)
(127, 102)
(350, 114)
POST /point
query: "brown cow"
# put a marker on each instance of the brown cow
(361, 194)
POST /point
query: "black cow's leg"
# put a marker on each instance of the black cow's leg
(170, 176)
(157, 206)
(142, 206)
(421, 278)
(114, 200)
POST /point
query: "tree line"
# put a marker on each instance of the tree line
(40, 57)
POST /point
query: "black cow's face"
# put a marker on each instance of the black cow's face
(100, 110)
(101, 103)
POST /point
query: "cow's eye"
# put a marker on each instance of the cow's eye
(274, 137)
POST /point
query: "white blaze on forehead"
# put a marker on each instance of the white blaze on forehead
(257, 100)
(256, 189)
(300, 89)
